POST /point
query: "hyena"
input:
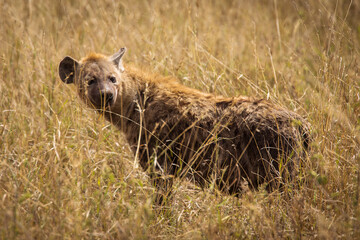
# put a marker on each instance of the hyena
(177, 131)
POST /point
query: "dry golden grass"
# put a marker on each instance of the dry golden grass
(65, 173)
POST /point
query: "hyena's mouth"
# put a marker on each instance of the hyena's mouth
(103, 102)
(109, 101)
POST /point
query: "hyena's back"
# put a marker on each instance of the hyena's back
(226, 141)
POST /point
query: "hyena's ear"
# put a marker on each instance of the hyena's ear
(117, 59)
(67, 68)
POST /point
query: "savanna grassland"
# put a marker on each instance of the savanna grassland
(66, 173)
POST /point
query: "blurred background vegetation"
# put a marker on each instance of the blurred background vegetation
(65, 173)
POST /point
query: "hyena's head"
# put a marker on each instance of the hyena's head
(96, 76)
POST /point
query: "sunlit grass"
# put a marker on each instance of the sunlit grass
(66, 173)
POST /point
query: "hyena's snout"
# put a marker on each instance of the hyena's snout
(103, 97)
(107, 97)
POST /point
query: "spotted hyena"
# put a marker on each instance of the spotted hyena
(177, 131)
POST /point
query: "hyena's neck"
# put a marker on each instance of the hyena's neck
(129, 107)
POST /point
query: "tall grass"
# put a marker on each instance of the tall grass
(65, 173)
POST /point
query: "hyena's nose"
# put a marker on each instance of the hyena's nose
(107, 97)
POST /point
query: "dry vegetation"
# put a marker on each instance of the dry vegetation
(65, 173)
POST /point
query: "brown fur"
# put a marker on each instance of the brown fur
(185, 132)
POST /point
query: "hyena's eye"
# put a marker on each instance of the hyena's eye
(91, 81)
(112, 79)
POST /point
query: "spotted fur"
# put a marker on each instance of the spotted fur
(178, 131)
